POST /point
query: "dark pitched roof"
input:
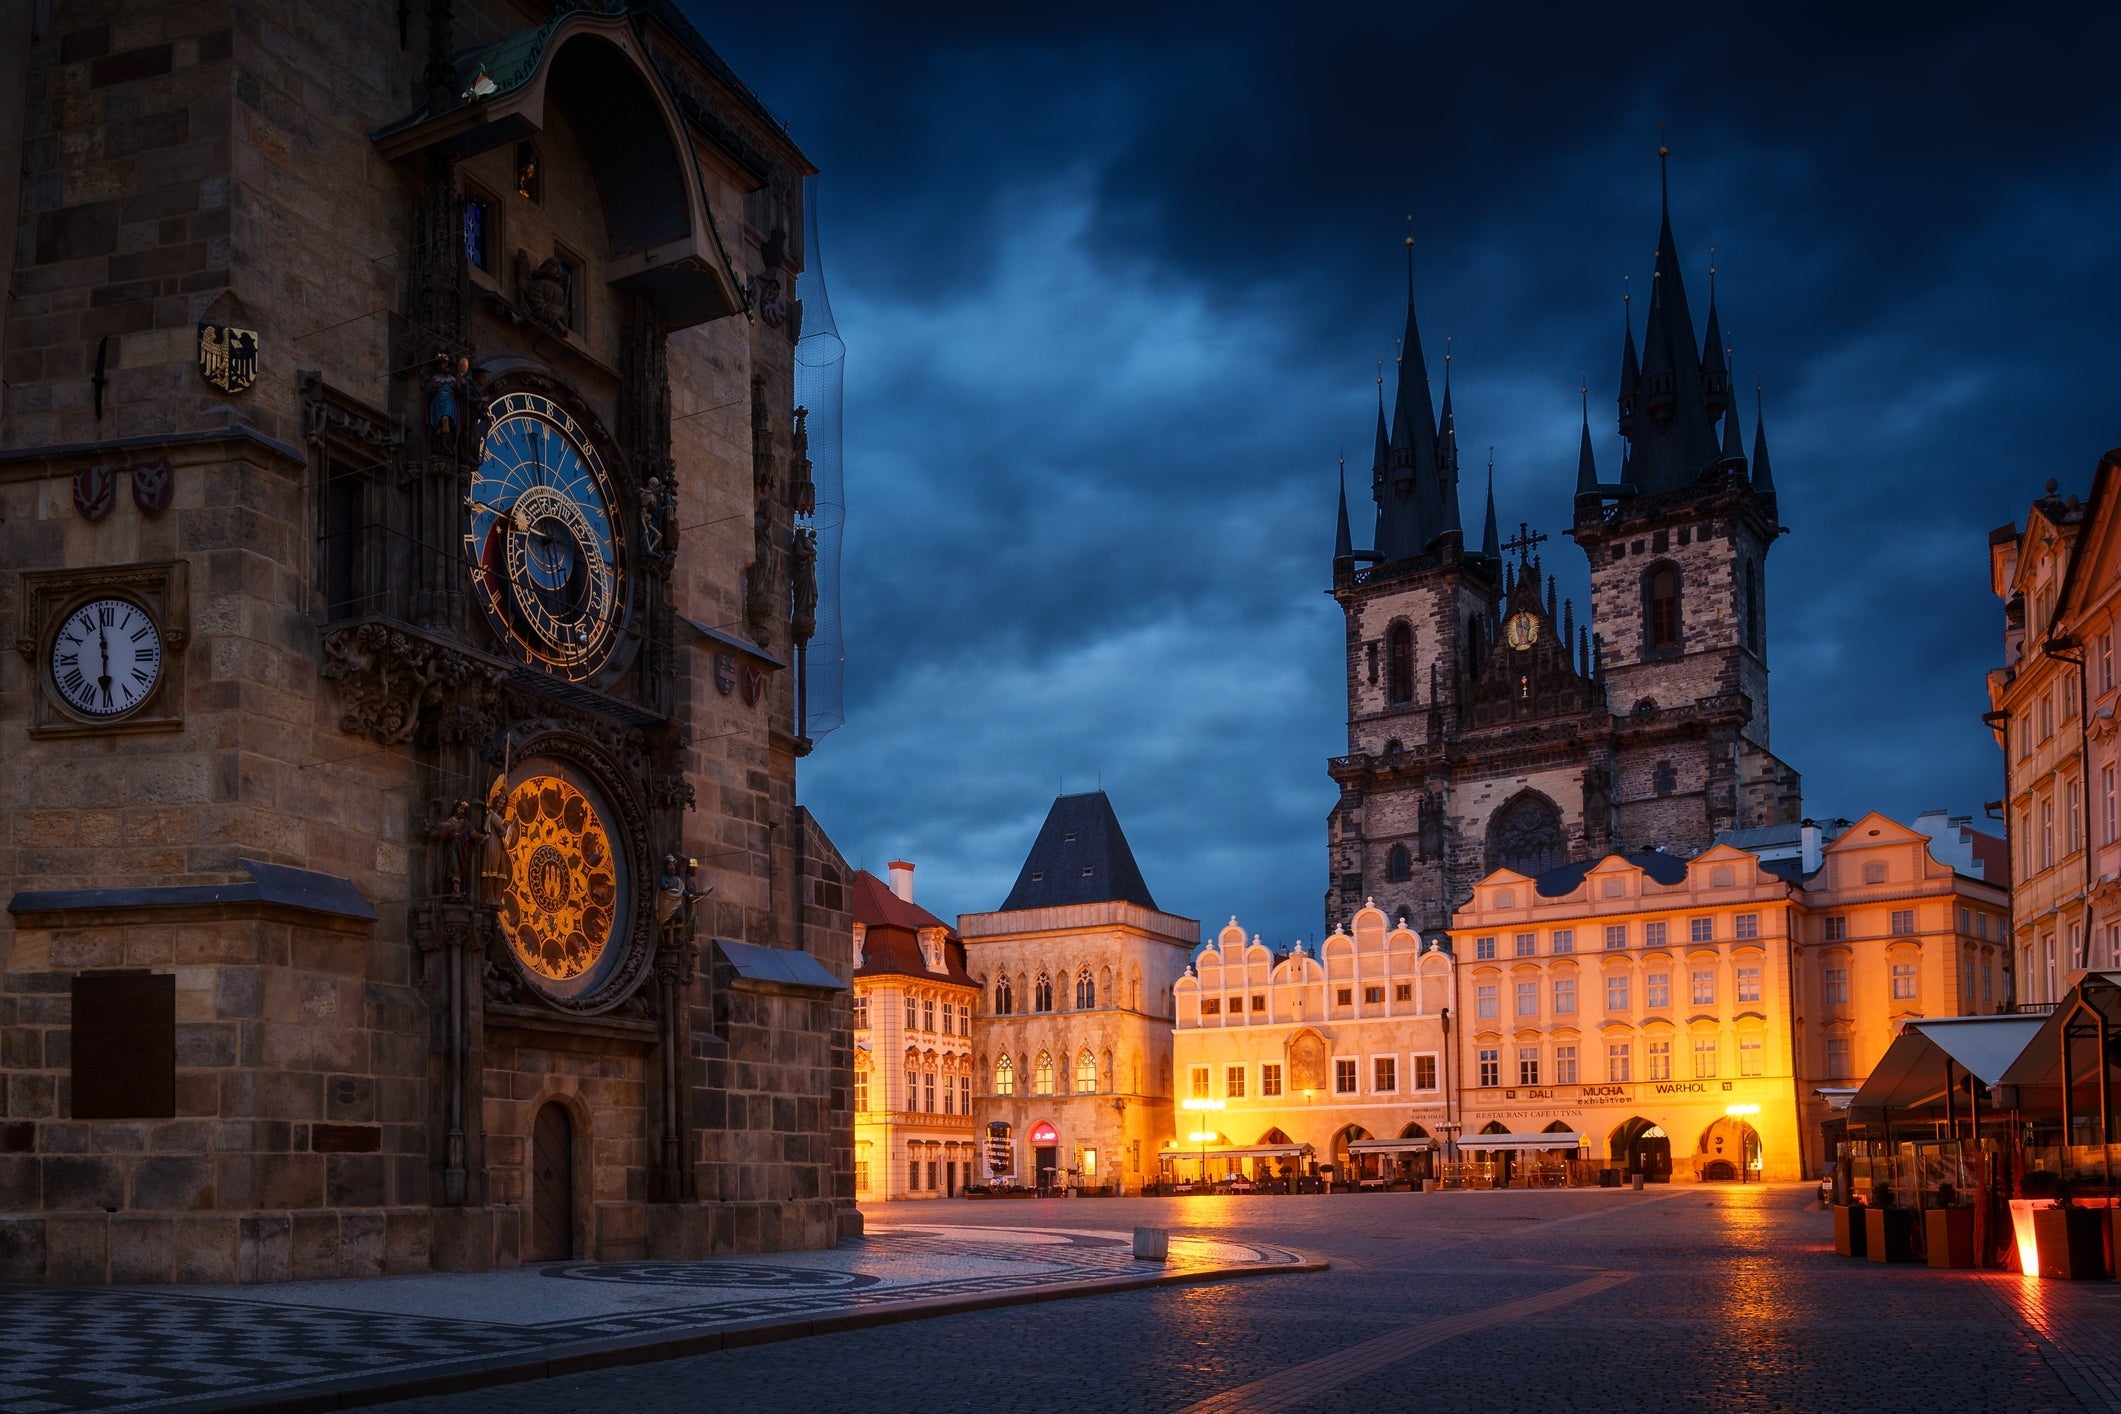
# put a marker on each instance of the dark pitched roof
(891, 935)
(1664, 868)
(1080, 856)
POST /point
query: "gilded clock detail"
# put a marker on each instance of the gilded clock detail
(563, 890)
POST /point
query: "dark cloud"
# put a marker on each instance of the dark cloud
(1114, 281)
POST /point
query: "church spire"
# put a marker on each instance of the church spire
(1343, 539)
(1410, 510)
(1490, 542)
(1447, 456)
(1673, 440)
(1715, 374)
(1586, 464)
(1630, 368)
(1763, 479)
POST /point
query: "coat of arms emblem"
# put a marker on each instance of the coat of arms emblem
(228, 356)
(151, 486)
(724, 673)
(754, 685)
(95, 491)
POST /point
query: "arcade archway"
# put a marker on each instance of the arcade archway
(1729, 1152)
(1639, 1146)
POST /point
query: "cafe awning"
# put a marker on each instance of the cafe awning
(2038, 1065)
(1495, 1142)
(1390, 1146)
(1911, 1073)
(1244, 1151)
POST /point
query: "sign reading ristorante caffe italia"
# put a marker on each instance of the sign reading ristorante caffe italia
(1619, 1094)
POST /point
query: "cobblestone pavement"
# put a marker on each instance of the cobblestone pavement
(1681, 1298)
(134, 1348)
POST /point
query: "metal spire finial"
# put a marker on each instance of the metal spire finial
(1664, 184)
(1410, 259)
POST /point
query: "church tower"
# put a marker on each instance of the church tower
(1678, 551)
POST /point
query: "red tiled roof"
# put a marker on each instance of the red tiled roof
(891, 935)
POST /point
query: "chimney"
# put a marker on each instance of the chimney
(1808, 834)
(902, 879)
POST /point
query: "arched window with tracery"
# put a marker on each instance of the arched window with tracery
(1004, 1001)
(1042, 1075)
(1005, 1076)
(1399, 867)
(1399, 663)
(1085, 991)
(1660, 607)
(1525, 835)
(1042, 994)
(1086, 1074)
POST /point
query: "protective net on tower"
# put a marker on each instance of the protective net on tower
(820, 367)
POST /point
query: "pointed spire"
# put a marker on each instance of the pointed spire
(1733, 445)
(1343, 540)
(1411, 507)
(1447, 457)
(1763, 479)
(1630, 368)
(1674, 443)
(1586, 465)
(1384, 444)
(1490, 542)
(1715, 374)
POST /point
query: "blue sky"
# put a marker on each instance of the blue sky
(1114, 282)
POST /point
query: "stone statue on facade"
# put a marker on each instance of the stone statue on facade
(497, 837)
(804, 577)
(457, 836)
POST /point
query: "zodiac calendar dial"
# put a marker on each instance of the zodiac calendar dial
(545, 558)
(562, 904)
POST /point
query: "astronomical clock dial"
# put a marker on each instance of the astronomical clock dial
(563, 909)
(542, 543)
(106, 658)
(1522, 631)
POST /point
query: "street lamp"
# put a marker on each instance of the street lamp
(1203, 1135)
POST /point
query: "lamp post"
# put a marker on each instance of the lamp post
(1203, 1135)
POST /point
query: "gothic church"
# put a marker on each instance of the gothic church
(1487, 727)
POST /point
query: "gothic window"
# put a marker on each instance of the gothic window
(1085, 1074)
(1398, 868)
(1005, 1076)
(1667, 778)
(1525, 835)
(1085, 991)
(1042, 1075)
(1004, 1003)
(1660, 596)
(1042, 994)
(1399, 685)
(1749, 605)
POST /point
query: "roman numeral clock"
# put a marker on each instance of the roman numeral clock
(106, 645)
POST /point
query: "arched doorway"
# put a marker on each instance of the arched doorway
(1275, 1169)
(1347, 1168)
(552, 1185)
(1642, 1147)
(1729, 1151)
(1418, 1164)
(1045, 1155)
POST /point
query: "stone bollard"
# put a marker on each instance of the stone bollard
(1638, 1182)
(1152, 1244)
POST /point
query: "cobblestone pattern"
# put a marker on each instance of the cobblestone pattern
(1738, 1302)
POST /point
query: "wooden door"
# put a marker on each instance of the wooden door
(551, 1236)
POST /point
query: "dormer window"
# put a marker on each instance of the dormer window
(1038, 876)
(1088, 870)
(1067, 837)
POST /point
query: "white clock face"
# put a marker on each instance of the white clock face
(107, 657)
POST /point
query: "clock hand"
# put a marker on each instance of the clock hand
(103, 641)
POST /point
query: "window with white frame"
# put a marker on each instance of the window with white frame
(1701, 984)
(2106, 661)
(1528, 1065)
(1752, 1052)
(1837, 986)
(1565, 1065)
(1902, 921)
(1701, 930)
(1384, 1075)
(1748, 984)
(1745, 926)
(1490, 1059)
(1528, 998)
(1527, 944)
(1563, 940)
(1234, 1081)
(1484, 1000)
(1344, 996)
(1425, 1072)
(2109, 805)
(1653, 935)
(1705, 1058)
(913, 1014)
(861, 1013)
(1903, 981)
(1616, 992)
(1564, 996)
(1657, 990)
(1660, 1059)
(964, 1094)
(928, 1092)
(1966, 980)
(1483, 949)
(1619, 1062)
(927, 1013)
(949, 1095)
(1344, 1077)
(1197, 1082)
(1616, 935)
(1270, 1079)
(1401, 992)
(2073, 832)
(1988, 972)
(2047, 834)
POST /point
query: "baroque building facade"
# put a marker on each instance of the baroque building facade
(402, 510)
(2052, 708)
(1073, 1037)
(1489, 726)
(1338, 1055)
(913, 1075)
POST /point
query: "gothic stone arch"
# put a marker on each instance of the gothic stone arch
(1525, 834)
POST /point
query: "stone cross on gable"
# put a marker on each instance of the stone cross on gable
(1523, 541)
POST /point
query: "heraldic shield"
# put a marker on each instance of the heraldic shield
(228, 356)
